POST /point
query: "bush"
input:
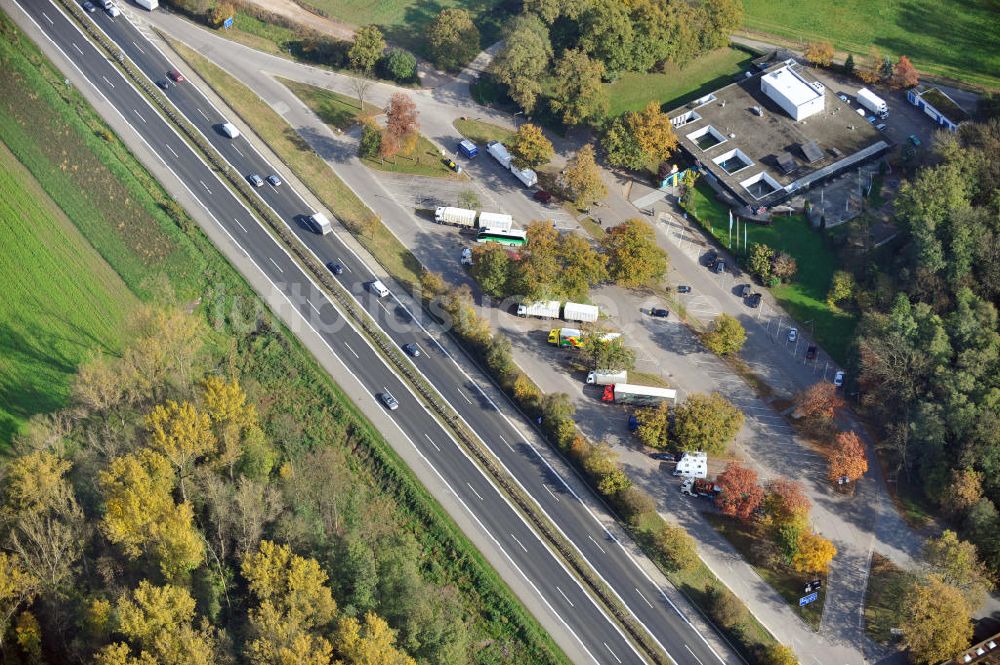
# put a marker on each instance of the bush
(634, 503)
(676, 547)
(371, 142)
(399, 65)
(724, 607)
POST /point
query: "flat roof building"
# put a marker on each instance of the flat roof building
(791, 91)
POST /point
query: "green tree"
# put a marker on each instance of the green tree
(582, 178)
(723, 18)
(608, 355)
(529, 147)
(849, 63)
(491, 268)
(581, 266)
(706, 422)
(841, 288)
(400, 65)
(760, 261)
(634, 258)
(727, 336)
(371, 142)
(453, 39)
(957, 563)
(578, 96)
(607, 36)
(622, 147)
(935, 621)
(366, 49)
(676, 547)
(724, 607)
(653, 424)
(524, 59)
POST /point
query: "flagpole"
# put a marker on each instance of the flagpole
(731, 230)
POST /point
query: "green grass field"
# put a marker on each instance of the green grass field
(676, 86)
(805, 297)
(481, 132)
(959, 39)
(61, 300)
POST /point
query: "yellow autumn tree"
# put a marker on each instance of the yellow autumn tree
(653, 132)
(368, 643)
(33, 481)
(182, 435)
(232, 416)
(17, 587)
(936, 622)
(814, 554)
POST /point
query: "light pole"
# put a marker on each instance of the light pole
(515, 118)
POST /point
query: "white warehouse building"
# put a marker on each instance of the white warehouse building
(793, 93)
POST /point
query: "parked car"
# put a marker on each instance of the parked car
(335, 268)
(274, 180)
(811, 353)
(745, 290)
(720, 266)
(838, 378)
(754, 300)
(113, 11)
(175, 76)
(842, 97)
(880, 126)
(793, 334)
(914, 140)
(255, 180)
(412, 349)
(633, 423)
(663, 457)
(710, 257)
(389, 401)
(659, 312)
(683, 288)
(542, 196)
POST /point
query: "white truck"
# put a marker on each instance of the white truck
(543, 309)
(148, 4)
(873, 102)
(319, 223)
(633, 395)
(597, 377)
(692, 465)
(495, 221)
(497, 150)
(574, 311)
(456, 216)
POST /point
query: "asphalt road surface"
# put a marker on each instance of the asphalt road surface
(560, 591)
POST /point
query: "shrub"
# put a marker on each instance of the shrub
(676, 547)
(724, 607)
(399, 65)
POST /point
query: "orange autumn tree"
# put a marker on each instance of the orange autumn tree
(848, 459)
(741, 493)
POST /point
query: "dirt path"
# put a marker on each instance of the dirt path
(294, 12)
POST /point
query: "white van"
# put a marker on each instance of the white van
(319, 223)
(229, 129)
(378, 288)
(112, 10)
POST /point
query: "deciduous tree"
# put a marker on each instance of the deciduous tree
(786, 501)
(453, 39)
(820, 401)
(727, 337)
(707, 423)
(904, 74)
(491, 267)
(725, 608)
(963, 491)
(634, 258)
(936, 622)
(761, 261)
(530, 147)
(848, 459)
(368, 643)
(370, 145)
(606, 355)
(723, 17)
(401, 122)
(841, 288)
(779, 654)
(622, 147)
(819, 53)
(523, 60)
(957, 562)
(17, 587)
(741, 493)
(653, 422)
(676, 546)
(400, 65)
(582, 178)
(578, 96)
(653, 132)
(366, 49)
(814, 554)
(182, 435)
(784, 266)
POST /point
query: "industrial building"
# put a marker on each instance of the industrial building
(938, 106)
(800, 98)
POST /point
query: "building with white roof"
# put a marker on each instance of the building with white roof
(792, 92)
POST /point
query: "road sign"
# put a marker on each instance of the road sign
(228, 23)
(815, 585)
(805, 600)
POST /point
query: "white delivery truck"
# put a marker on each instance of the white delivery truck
(229, 129)
(457, 216)
(499, 153)
(873, 102)
(543, 309)
(148, 4)
(597, 377)
(495, 221)
(574, 311)
(378, 288)
(633, 395)
(319, 223)
(528, 177)
(692, 465)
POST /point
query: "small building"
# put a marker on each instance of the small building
(986, 652)
(789, 89)
(938, 106)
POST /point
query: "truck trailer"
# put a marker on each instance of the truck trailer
(565, 337)
(632, 395)
(457, 216)
(527, 177)
(495, 221)
(148, 4)
(497, 150)
(598, 377)
(543, 309)
(873, 102)
(574, 311)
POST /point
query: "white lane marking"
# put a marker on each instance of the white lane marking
(613, 653)
(342, 264)
(107, 81)
(77, 47)
(241, 226)
(141, 118)
(507, 444)
(202, 113)
(47, 18)
(384, 308)
(519, 543)
(598, 545)
(239, 151)
(138, 47)
(464, 397)
(550, 492)
(432, 441)
(474, 491)
(315, 308)
(173, 152)
(692, 653)
(567, 600)
(205, 186)
(644, 598)
(352, 350)
(275, 264)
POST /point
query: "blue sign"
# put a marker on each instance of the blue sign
(805, 600)
(228, 23)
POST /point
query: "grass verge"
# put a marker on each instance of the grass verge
(504, 630)
(481, 133)
(887, 584)
(333, 108)
(805, 297)
(758, 550)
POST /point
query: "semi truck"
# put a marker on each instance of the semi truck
(597, 377)
(470, 219)
(500, 153)
(872, 102)
(565, 337)
(700, 487)
(543, 309)
(632, 395)
(574, 311)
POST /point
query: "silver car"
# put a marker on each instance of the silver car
(389, 401)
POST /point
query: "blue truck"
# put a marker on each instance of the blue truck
(467, 148)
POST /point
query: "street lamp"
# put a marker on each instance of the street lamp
(515, 118)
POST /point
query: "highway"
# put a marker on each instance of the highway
(560, 591)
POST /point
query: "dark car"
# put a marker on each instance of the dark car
(659, 312)
(811, 353)
(663, 457)
(754, 300)
(175, 75)
(633, 423)
(335, 268)
(542, 196)
(711, 257)
(163, 83)
(745, 290)
(720, 266)
(89, 6)
(412, 349)
(683, 288)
